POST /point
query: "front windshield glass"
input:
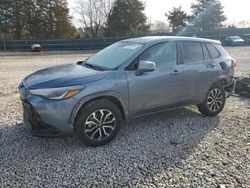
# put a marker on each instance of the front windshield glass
(114, 55)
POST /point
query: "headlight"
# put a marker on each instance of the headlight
(58, 93)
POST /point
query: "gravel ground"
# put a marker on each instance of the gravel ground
(178, 148)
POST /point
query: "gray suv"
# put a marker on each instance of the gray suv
(131, 78)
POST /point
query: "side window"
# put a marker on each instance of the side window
(222, 51)
(213, 51)
(164, 54)
(192, 51)
(205, 52)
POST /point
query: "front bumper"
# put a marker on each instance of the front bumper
(39, 128)
(48, 118)
(240, 43)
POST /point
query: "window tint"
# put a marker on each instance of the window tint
(213, 51)
(164, 54)
(205, 52)
(192, 51)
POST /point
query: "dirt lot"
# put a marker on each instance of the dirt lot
(180, 148)
(242, 55)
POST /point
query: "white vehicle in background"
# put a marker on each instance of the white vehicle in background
(36, 48)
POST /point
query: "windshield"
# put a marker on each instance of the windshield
(114, 55)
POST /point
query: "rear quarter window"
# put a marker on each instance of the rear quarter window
(223, 52)
(214, 53)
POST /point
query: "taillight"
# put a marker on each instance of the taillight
(234, 63)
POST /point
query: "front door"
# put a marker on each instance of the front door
(153, 91)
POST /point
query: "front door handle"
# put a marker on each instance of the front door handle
(176, 72)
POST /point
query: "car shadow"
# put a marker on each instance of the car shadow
(144, 147)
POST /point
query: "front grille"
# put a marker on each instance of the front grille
(23, 90)
(30, 116)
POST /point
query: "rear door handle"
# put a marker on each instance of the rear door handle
(176, 72)
(211, 65)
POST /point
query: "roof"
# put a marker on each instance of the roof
(169, 38)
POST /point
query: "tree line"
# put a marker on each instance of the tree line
(50, 19)
(36, 19)
(111, 18)
(206, 15)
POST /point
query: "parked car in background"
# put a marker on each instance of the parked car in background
(246, 38)
(128, 79)
(36, 48)
(234, 41)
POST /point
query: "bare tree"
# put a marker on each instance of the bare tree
(93, 14)
(243, 24)
(160, 27)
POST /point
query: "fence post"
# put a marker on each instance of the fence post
(4, 42)
(44, 48)
(219, 34)
(71, 48)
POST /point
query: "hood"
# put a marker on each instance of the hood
(62, 76)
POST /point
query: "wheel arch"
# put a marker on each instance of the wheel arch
(220, 80)
(114, 98)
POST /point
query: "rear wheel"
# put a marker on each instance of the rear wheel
(214, 102)
(98, 123)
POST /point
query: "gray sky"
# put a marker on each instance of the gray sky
(235, 10)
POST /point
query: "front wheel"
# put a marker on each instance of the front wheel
(214, 102)
(98, 123)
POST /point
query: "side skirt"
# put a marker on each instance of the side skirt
(164, 109)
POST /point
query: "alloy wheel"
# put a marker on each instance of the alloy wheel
(100, 125)
(215, 100)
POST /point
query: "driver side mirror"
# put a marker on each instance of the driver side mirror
(145, 66)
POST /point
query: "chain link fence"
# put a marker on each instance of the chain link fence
(100, 43)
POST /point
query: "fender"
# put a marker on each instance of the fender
(220, 79)
(84, 100)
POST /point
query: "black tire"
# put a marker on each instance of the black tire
(86, 122)
(214, 102)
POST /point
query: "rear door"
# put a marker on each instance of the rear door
(214, 65)
(198, 71)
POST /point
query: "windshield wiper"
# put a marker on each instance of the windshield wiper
(92, 66)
